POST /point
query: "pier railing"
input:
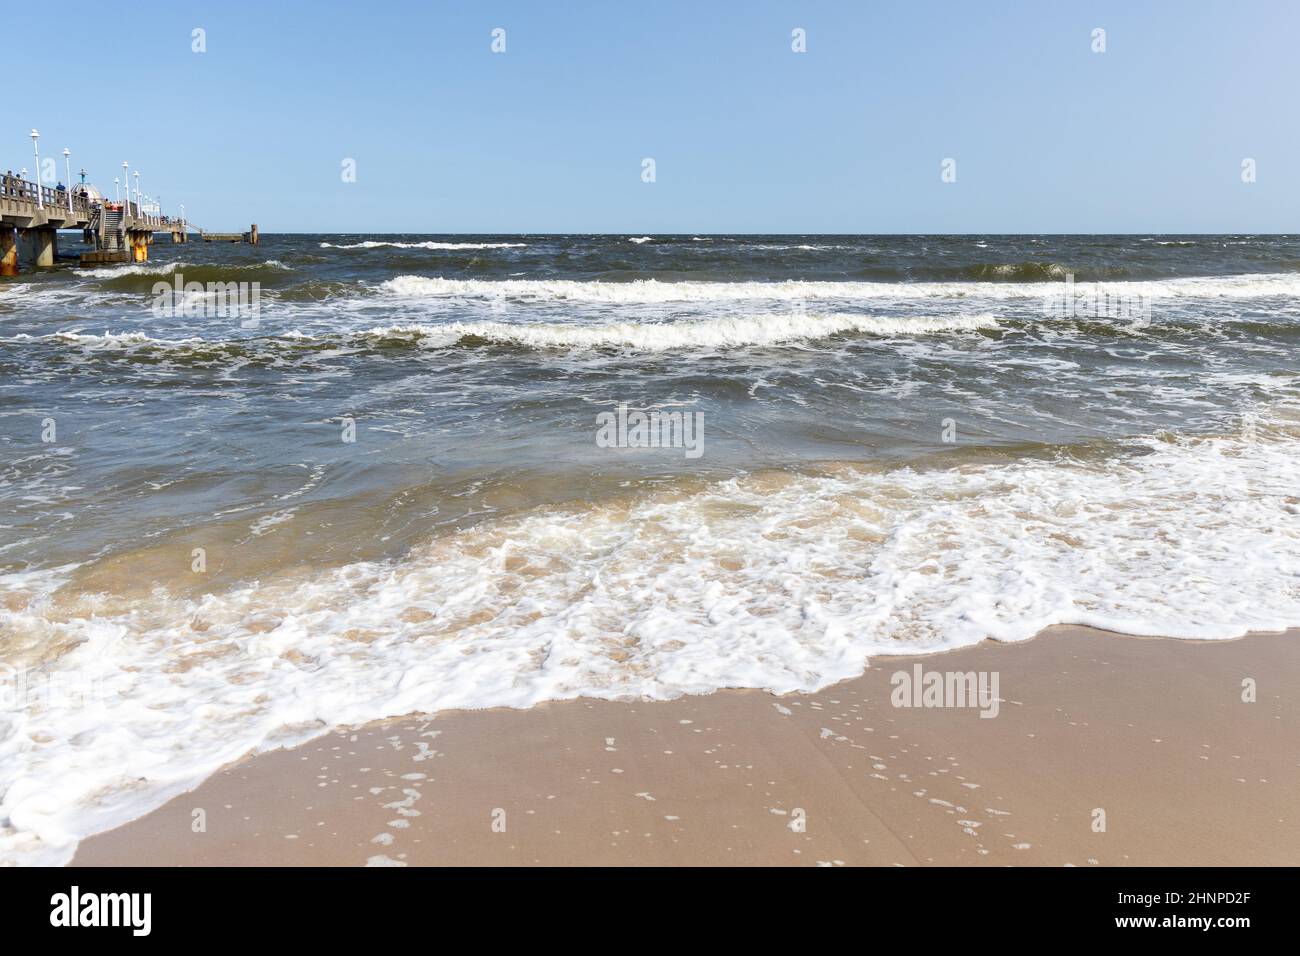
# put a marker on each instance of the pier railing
(22, 190)
(17, 189)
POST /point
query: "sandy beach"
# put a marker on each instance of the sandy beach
(1106, 750)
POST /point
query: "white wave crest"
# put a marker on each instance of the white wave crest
(113, 272)
(104, 340)
(652, 291)
(168, 268)
(378, 244)
(732, 332)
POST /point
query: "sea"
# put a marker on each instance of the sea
(250, 493)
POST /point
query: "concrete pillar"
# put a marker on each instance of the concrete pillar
(252, 233)
(140, 246)
(8, 251)
(47, 247)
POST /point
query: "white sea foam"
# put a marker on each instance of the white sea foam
(784, 582)
(168, 268)
(380, 244)
(113, 272)
(730, 332)
(34, 295)
(652, 291)
(104, 340)
(722, 332)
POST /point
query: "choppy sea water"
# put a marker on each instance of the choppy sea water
(386, 495)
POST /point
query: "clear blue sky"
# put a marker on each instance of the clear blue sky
(747, 135)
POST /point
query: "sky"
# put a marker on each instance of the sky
(746, 135)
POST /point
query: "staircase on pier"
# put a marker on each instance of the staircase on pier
(110, 230)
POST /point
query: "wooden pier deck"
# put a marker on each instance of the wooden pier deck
(31, 216)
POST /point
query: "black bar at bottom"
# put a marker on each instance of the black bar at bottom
(252, 905)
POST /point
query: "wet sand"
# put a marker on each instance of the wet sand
(1152, 732)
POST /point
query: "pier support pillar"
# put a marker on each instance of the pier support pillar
(8, 251)
(139, 246)
(46, 246)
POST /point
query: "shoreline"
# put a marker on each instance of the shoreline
(1153, 732)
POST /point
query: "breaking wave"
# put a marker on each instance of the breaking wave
(652, 291)
(783, 581)
(380, 244)
(718, 333)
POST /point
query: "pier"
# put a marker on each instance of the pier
(249, 237)
(120, 230)
(31, 216)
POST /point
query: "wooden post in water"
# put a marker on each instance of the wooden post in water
(252, 234)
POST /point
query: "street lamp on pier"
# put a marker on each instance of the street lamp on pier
(67, 166)
(37, 150)
(126, 187)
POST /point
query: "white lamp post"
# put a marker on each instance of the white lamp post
(67, 166)
(137, 192)
(117, 189)
(37, 150)
(126, 188)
